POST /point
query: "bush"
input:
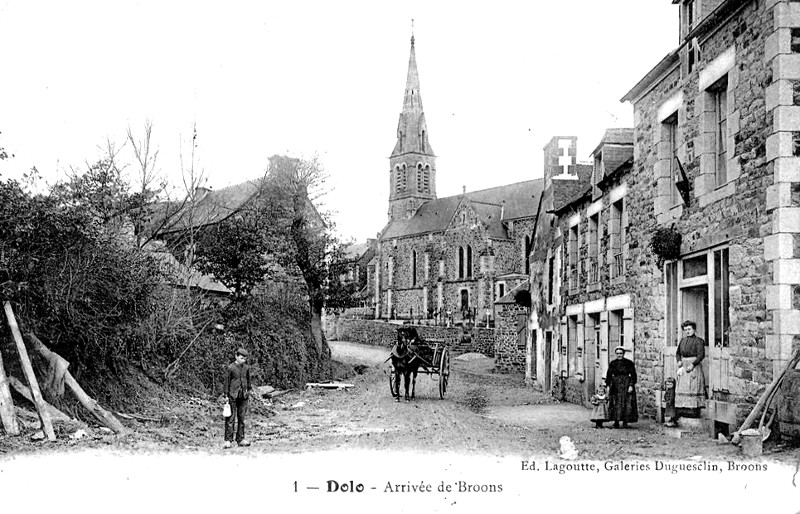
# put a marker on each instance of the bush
(276, 331)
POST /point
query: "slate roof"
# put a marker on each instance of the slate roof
(565, 191)
(356, 251)
(619, 170)
(180, 275)
(615, 136)
(211, 207)
(515, 201)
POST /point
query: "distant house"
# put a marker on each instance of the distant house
(175, 225)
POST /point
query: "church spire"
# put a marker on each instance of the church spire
(412, 164)
(412, 100)
(412, 133)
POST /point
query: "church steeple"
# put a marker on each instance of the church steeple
(412, 163)
(412, 100)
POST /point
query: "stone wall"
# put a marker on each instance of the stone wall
(508, 355)
(382, 333)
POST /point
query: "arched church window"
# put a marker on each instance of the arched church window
(413, 267)
(469, 261)
(398, 181)
(460, 262)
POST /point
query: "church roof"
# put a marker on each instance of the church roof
(513, 201)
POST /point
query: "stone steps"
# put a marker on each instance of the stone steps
(696, 428)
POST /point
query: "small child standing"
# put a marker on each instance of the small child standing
(600, 409)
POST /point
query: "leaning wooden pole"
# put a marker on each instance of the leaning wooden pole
(7, 415)
(27, 368)
(89, 403)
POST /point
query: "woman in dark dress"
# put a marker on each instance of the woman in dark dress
(621, 379)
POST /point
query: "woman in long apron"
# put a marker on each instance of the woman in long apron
(690, 382)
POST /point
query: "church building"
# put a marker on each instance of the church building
(446, 257)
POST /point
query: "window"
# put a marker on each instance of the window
(594, 249)
(398, 180)
(550, 280)
(420, 178)
(670, 127)
(414, 268)
(618, 232)
(426, 179)
(460, 262)
(689, 16)
(598, 170)
(573, 258)
(501, 290)
(469, 261)
(719, 96)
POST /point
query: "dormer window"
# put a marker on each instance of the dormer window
(689, 16)
(599, 171)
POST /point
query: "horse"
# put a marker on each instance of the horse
(405, 361)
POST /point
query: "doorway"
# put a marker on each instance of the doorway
(464, 300)
(548, 359)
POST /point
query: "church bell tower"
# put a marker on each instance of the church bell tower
(412, 165)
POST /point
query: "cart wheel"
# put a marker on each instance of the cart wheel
(444, 372)
(391, 382)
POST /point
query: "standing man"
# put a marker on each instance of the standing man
(237, 390)
(690, 382)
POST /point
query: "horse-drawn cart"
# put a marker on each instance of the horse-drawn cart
(412, 354)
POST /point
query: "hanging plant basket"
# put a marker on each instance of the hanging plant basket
(665, 245)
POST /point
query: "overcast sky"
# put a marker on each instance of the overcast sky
(498, 80)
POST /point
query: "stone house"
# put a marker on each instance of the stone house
(580, 304)
(446, 258)
(716, 160)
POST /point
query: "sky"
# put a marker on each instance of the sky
(498, 80)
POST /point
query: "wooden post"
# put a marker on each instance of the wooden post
(102, 415)
(7, 415)
(44, 414)
(24, 391)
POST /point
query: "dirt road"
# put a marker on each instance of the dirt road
(483, 413)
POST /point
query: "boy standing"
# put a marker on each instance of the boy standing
(237, 390)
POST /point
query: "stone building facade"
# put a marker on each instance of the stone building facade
(581, 309)
(717, 127)
(446, 258)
